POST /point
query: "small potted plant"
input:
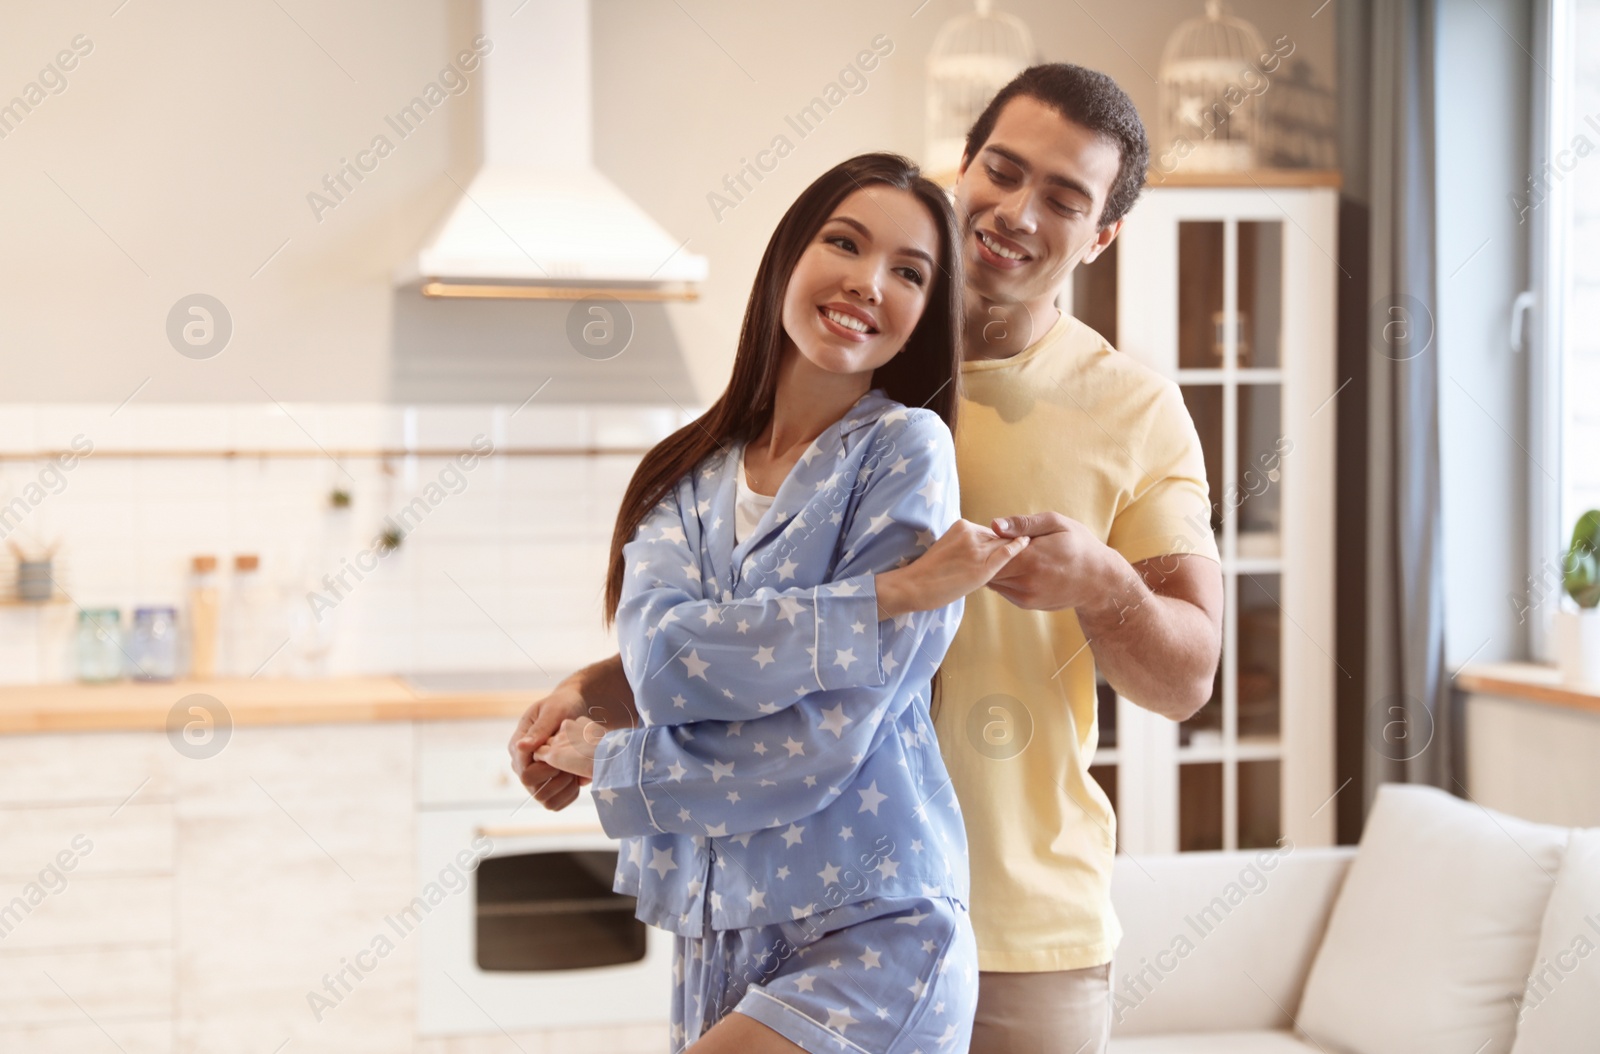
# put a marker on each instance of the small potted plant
(1578, 632)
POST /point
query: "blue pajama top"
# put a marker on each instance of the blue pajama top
(785, 763)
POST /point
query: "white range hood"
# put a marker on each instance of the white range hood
(538, 220)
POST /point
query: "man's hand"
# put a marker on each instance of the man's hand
(1065, 566)
(1154, 628)
(550, 786)
(600, 692)
(964, 558)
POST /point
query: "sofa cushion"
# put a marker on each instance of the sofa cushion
(1560, 1011)
(1434, 929)
(1212, 1043)
(1219, 942)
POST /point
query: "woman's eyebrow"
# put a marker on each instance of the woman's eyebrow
(908, 250)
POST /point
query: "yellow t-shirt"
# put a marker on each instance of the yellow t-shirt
(1073, 426)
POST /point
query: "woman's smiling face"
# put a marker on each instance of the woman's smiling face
(859, 288)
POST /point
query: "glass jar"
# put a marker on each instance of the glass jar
(153, 648)
(99, 645)
(204, 599)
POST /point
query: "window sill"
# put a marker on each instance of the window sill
(1526, 682)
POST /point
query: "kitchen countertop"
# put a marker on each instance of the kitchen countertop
(146, 706)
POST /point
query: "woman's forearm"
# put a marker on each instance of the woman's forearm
(896, 596)
(963, 560)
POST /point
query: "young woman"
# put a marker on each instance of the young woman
(783, 805)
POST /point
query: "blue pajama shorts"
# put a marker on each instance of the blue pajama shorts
(889, 975)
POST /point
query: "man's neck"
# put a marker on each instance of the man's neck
(999, 331)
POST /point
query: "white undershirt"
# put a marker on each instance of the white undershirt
(748, 506)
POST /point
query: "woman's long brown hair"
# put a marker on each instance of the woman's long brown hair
(923, 374)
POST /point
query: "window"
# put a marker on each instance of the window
(1561, 206)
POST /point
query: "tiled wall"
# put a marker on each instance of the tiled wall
(1582, 384)
(504, 568)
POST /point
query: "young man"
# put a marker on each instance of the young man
(1094, 457)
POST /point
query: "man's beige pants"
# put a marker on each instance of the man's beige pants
(1060, 1012)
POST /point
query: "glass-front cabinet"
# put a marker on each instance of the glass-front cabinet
(1230, 291)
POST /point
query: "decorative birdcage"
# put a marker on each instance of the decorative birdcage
(1212, 118)
(1303, 121)
(973, 57)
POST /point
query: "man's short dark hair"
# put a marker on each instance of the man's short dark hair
(1087, 97)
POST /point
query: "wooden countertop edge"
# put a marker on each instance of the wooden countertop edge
(1526, 682)
(75, 708)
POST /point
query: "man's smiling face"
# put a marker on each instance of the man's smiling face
(1031, 201)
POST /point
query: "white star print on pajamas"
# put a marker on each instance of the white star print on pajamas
(870, 976)
(785, 726)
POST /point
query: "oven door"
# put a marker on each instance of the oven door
(537, 939)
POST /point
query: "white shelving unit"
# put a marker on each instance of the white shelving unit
(1230, 291)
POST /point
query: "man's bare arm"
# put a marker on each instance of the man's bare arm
(607, 694)
(1155, 628)
(1158, 640)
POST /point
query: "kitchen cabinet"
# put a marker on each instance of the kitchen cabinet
(1230, 292)
(215, 894)
(87, 889)
(294, 843)
(232, 903)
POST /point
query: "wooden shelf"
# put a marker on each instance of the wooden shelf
(1180, 177)
(1254, 177)
(1263, 748)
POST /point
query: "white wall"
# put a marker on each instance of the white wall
(179, 156)
(178, 159)
(502, 566)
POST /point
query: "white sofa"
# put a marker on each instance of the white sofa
(1450, 929)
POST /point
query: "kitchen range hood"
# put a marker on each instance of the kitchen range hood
(538, 221)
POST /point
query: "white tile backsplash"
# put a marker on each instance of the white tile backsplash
(502, 565)
(624, 426)
(16, 428)
(555, 427)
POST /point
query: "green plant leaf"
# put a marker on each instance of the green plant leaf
(1581, 565)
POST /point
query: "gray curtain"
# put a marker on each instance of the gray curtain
(1411, 733)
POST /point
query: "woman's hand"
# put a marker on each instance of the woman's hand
(572, 747)
(962, 561)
